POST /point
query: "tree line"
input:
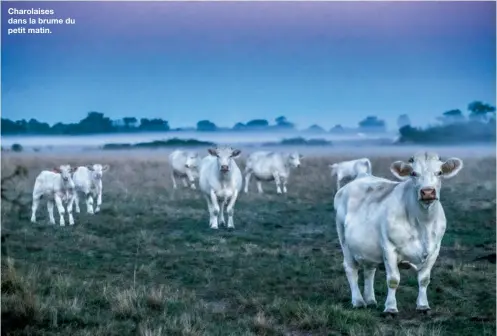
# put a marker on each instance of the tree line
(452, 126)
(98, 123)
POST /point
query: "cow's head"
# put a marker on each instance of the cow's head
(426, 171)
(225, 156)
(191, 160)
(97, 170)
(294, 159)
(65, 171)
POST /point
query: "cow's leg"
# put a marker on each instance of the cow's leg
(34, 207)
(215, 210)
(185, 182)
(247, 179)
(221, 212)
(277, 181)
(424, 280)
(60, 208)
(284, 181)
(352, 273)
(259, 187)
(76, 202)
(230, 209)
(50, 206)
(175, 186)
(89, 203)
(99, 197)
(393, 279)
(369, 296)
(69, 208)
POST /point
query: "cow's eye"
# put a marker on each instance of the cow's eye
(439, 173)
(414, 174)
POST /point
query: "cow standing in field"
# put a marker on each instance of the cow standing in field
(382, 221)
(88, 181)
(220, 178)
(350, 169)
(56, 185)
(184, 165)
(271, 166)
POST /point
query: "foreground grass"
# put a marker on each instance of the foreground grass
(149, 265)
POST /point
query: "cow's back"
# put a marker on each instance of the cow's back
(81, 176)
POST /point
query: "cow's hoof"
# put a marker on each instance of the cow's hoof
(425, 310)
(359, 304)
(372, 303)
(390, 312)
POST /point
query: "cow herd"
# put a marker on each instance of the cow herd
(378, 221)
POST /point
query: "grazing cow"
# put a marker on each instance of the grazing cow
(382, 221)
(88, 180)
(350, 169)
(220, 178)
(185, 166)
(271, 166)
(57, 185)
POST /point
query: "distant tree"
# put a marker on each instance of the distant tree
(155, 124)
(258, 123)
(337, 128)
(451, 116)
(372, 123)
(403, 120)
(206, 125)
(316, 129)
(239, 126)
(130, 122)
(282, 122)
(480, 111)
(95, 122)
(16, 147)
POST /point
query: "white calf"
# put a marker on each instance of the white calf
(270, 166)
(56, 185)
(185, 166)
(382, 221)
(88, 180)
(350, 169)
(220, 178)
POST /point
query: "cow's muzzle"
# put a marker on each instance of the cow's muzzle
(428, 195)
(225, 168)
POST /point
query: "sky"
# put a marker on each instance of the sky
(313, 62)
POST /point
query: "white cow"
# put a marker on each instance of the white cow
(56, 185)
(271, 166)
(88, 180)
(382, 221)
(350, 169)
(185, 166)
(220, 178)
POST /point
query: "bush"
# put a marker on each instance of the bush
(16, 147)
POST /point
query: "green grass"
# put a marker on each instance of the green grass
(149, 265)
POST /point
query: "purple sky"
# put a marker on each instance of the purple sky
(316, 62)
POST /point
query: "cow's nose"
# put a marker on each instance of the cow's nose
(428, 193)
(187, 166)
(225, 168)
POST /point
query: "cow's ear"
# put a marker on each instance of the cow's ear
(401, 170)
(56, 170)
(105, 168)
(212, 151)
(90, 167)
(451, 167)
(301, 157)
(236, 153)
(73, 169)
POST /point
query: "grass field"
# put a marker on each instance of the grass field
(149, 265)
